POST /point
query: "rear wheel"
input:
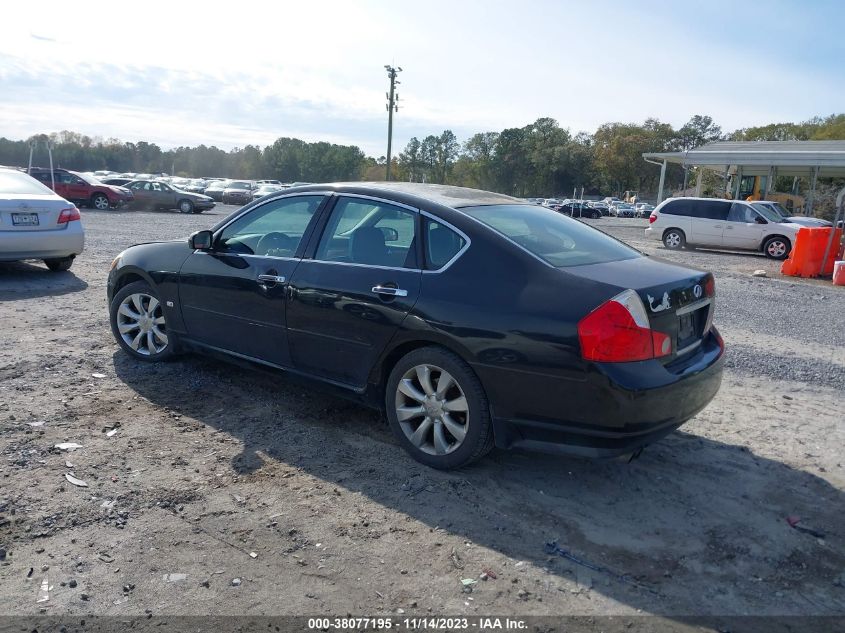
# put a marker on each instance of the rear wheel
(138, 323)
(674, 239)
(59, 264)
(777, 247)
(186, 206)
(100, 202)
(437, 409)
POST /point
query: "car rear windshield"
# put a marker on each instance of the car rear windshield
(18, 182)
(551, 236)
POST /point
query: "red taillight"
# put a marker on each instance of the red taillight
(652, 218)
(618, 331)
(69, 215)
(709, 287)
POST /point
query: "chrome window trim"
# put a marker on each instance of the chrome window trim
(326, 261)
(283, 259)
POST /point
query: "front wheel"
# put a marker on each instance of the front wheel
(100, 202)
(437, 409)
(186, 206)
(777, 247)
(138, 323)
(59, 264)
(674, 239)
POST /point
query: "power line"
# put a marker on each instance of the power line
(392, 98)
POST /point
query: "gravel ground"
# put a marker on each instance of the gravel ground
(229, 492)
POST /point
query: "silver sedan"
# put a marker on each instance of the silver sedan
(35, 223)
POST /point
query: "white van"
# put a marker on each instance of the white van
(730, 224)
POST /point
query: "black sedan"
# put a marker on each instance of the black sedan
(472, 318)
(579, 210)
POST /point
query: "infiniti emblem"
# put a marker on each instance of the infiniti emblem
(697, 291)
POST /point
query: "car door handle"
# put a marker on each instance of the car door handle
(387, 290)
(729, 228)
(273, 279)
(717, 226)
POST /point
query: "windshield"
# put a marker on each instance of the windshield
(19, 182)
(88, 179)
(767, 212)
(554, 238)
(774, 206)
(239, 185)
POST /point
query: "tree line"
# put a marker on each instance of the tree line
(539, 159)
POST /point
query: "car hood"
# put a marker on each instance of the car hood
(808, 221)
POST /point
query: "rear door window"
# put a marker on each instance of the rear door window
(711, 209)
(371, 232)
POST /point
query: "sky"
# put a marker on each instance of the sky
(230, 75)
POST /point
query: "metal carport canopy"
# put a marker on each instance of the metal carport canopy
(824, 159)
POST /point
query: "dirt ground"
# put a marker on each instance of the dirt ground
(223, 491)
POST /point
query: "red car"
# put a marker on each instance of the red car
(82, 189)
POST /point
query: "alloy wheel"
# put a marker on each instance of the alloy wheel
(101, 202)
(672, 240)
(140, 322)
(432, 409)
(776, 248)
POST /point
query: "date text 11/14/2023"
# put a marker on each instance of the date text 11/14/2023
(417, 623)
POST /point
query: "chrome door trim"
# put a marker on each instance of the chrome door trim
(387, 290)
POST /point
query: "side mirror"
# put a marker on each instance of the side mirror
(390, 234)
(760, 220)
(201, 240)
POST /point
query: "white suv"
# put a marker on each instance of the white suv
(714, 223)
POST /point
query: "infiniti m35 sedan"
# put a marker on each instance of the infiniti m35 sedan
(472, 319)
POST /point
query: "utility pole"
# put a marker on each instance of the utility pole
(392, 98)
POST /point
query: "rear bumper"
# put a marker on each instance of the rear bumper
(18, 245)
(651, 233)
(619, 409)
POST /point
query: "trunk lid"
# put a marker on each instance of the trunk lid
(34, 213)
(678, 300)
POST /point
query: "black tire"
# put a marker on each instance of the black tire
(478, 438)
(674, 239)
(185, 206)
(117, 319)
(100, 202)
(60, 264)
(777, 247)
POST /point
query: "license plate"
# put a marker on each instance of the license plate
(25, 219)
(686, 327)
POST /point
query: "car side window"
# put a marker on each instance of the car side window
(441, 244)
(742, 213)
(372, 232)
(274, 229)
(676, 207)
(711, 209)
(156, 186)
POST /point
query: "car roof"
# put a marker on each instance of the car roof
(445, 195)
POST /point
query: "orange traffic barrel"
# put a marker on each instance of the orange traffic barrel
(805, 259)
(839, 273)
